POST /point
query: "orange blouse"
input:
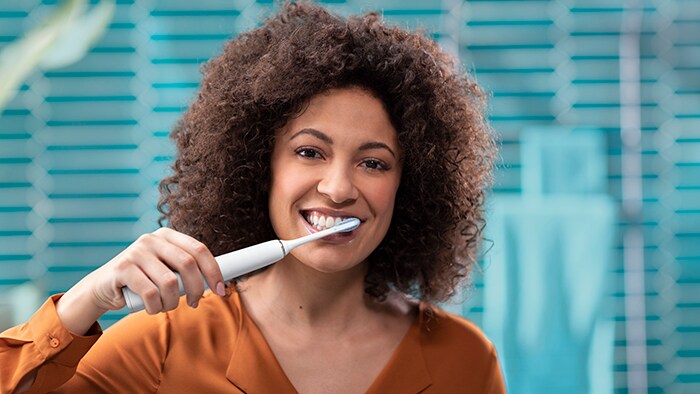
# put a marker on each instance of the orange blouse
(218, 348)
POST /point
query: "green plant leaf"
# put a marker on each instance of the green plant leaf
(79, 36)
(62, 39)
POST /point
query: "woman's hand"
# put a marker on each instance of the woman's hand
(146, 267)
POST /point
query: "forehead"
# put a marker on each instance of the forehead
(347, 113)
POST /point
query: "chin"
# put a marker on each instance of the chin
(329, 265)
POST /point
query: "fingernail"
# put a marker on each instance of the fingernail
(194, 304)
(220, 289)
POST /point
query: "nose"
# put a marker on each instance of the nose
(337, 185)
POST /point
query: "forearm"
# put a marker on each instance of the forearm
(76, 310)
(41, 344)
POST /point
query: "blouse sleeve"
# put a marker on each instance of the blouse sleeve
(128, 358)
(44, 344)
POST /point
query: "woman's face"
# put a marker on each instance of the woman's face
(340, 158)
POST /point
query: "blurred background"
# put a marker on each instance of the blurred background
(590, 275)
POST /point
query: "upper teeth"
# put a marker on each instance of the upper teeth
(322, 222)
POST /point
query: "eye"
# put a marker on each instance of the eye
(310, 153)
(375, 165)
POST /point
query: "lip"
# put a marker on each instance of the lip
(337, 238)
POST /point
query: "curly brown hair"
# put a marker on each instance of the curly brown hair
(218, 192)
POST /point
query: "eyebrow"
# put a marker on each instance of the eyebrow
(327, 139)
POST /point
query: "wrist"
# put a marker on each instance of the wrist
(77, 312)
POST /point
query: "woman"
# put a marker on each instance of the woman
(302, 121)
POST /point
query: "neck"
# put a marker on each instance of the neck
(303, 297)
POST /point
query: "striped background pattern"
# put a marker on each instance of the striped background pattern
(82, 148)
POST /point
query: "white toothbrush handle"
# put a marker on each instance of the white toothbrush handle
(232, 265)
(243, 261)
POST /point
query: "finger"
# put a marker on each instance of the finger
(205, 260)
(185, 264)
(137, 280)
(165, 280)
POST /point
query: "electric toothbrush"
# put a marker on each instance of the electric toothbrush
(243, 261)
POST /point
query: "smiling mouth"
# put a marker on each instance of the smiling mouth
(321, 221)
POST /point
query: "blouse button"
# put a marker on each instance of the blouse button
(54, 342)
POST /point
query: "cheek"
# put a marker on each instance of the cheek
(381, 197)
(288, 185)
(284, 192)
(279, 196)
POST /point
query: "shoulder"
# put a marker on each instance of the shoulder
(174, 335)
(143, 347)
(440, 328)
(224, 313)
(213, 310)
(456, 349)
